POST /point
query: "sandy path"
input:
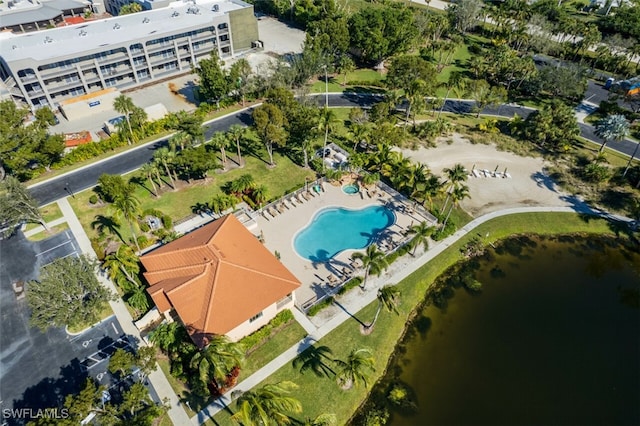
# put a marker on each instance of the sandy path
(528, 186)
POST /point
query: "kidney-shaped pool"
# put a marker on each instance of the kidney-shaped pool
(333, 230)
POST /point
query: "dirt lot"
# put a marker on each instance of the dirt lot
(528, 185)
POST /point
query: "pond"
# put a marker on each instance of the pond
(552, 337)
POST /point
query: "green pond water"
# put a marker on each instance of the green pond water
(553, 337)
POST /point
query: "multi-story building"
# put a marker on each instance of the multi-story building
(47, 67)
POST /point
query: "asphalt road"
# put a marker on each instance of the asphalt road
(81, 179)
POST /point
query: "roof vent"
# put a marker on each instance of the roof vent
(145, 21)
(215, 8)
(14, 47)
(193, 10)
(116, 26)
(175, 14)
(83, 33)
(48, 40)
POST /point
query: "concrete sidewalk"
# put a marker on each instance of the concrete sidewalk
(157, 378)
(404, 267)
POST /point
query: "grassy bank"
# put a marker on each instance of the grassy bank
(179, 204)
(322, 395)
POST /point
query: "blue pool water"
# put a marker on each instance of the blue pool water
(336, 229)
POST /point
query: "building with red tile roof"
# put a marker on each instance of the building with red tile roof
(219, 279)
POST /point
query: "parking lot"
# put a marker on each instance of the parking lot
(38, 369)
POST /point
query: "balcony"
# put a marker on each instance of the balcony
(57, 72)
(114, 57)
(29, 78)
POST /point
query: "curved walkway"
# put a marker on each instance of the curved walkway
(403, 268)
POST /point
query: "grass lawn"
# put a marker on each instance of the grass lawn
(44, 234)
(104, 313)
(49, 213)
(322, 395)
(361, 76)
(283, 178)
(283, 339)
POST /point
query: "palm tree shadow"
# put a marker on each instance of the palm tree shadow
(314, 359)
(138, 180)
(338, 304)
(103, 224)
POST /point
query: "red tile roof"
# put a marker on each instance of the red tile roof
(216, 278)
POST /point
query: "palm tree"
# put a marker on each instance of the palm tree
(220, 141)
(314, 358)
(456, 81)
(458, 194)
(127, 206)
(268, 405)
(217, 359)
(123, 264)
(166, 336)
(432, 187)
(181, 139)
(388, 297)
(422, 232)
(612, 127)
(149, 170)
(455, 176)
(162, 156)
(260, 194)
(237, 133)
(138, 300)
(360, 132)
(373, 261)
(124, 105)
(355, 369)
(326, 122)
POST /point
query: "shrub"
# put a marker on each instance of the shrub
(167, 222)
(144, 226)
(443, 233)
(353, 282)
(258, 337)
(313, 311)
(144, 242)
(93, 199)
(97, 247)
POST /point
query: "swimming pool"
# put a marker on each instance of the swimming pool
(333, 230)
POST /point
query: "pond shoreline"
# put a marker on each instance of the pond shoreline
(442, 282)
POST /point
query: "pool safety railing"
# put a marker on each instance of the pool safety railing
(408, 204)
(292, 199)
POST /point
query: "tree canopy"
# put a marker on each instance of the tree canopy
(67, 293)
(554, 126)
(214, 81)
(26, 149)
(379, 33)
(16, 206)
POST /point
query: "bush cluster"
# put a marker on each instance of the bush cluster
(258, 337)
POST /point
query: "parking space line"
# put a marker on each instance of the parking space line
(53, 248)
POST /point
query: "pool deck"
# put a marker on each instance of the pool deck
(279, 232)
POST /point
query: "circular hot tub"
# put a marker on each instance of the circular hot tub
(351, 189)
